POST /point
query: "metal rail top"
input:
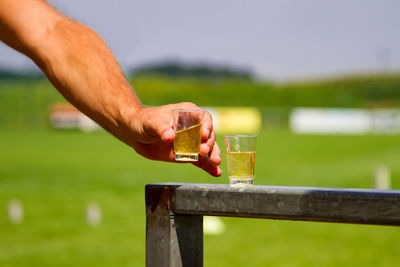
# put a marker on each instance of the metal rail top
(364, 206)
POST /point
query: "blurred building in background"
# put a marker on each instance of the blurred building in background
(345, 121)
(67, 117)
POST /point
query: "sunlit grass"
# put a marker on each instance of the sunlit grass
(56, 173)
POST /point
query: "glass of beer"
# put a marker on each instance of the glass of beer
(240, 158)
(187, 124)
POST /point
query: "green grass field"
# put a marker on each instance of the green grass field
(56, 173)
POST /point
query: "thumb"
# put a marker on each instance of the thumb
(168, 136)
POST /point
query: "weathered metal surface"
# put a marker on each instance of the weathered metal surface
(158, 236)
(187, 241)
(174, 212)
(172, 240)
(364, 206)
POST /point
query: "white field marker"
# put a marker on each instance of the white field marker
(382, 178)
(15, 211)
(93, 214)
(213, 225)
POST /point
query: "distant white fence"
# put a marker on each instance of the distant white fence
(344, 121)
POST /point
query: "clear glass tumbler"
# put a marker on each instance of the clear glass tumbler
(240, 157)
(187, 125)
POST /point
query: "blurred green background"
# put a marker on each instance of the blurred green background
(56, 173)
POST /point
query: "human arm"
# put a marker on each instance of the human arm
(82, 68)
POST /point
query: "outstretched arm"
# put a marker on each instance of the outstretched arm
(82, 68)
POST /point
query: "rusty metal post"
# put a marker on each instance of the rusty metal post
(172, 240)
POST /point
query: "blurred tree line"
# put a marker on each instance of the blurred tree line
(370, 91)
(179, 70)
(7, 75)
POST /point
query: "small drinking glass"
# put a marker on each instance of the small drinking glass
(187, 125)
(240, 157)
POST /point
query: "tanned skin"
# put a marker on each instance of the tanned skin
(83, 69)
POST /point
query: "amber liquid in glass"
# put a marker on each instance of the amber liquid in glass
(241, 167)
(187, 143)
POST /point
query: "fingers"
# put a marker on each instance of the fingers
(168, 136)
(207, 126)
(206, 164)
(215, 154)
(162, 125)
(209, 150)
(207, 145)
(208, 135)
(157, 124)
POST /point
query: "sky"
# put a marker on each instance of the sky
(275, 39)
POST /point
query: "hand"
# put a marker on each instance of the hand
(154, 135)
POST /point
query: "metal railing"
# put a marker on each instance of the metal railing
(174, 212)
